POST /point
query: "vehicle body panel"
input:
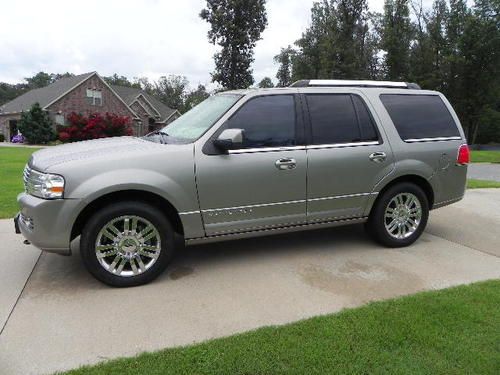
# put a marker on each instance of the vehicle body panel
(243, 194)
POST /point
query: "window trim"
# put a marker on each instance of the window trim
(433, 139)
(423, 139)
(93, 97)
(308, 121)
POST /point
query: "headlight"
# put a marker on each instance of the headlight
(43, 185)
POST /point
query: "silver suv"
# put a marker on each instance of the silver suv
(247, 163)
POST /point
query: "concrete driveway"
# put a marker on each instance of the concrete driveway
(64, 318)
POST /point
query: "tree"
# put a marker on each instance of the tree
(236, 26)
(338, 44)
(481, 70)
(35, 126)
(396, 36)
(42, 79)
(284, 59)
(171, 90)
(195, 97)
(117, 80)
(266, 82)
(9, 92)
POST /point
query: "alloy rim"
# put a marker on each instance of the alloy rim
(128, 246)
(403, 215)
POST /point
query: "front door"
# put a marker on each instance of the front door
(347, 156)
(12, 128)
(263, 184)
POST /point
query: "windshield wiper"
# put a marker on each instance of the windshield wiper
(161, 133)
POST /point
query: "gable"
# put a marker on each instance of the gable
(45, 95)
(76, 100)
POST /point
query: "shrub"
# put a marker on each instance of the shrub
(94, 126)
(35, 125)
(2, 138)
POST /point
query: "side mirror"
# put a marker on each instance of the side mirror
(229, 139)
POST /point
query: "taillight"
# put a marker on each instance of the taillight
(463, 155)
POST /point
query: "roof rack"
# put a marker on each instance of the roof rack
(354, 83)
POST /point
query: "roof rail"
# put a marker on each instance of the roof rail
(354, 83)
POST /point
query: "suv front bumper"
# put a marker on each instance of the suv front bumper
(47, 224)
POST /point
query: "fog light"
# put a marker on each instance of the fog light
(27, 222)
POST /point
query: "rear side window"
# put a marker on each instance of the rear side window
(267, 121)
(366, 126)
(339, 118)
(419, 116)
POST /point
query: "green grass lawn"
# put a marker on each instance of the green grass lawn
(485, 156)
(12, 161)
(478, 184)
(452, 331)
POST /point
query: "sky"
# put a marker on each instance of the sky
(147, 38)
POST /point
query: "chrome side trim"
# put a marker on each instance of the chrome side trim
(280, 203)
(309, 147)
(190, 212)
(435, 139)
(265, 149)
(275, 230)
(342, 196)
(341, 145)
(252, 206)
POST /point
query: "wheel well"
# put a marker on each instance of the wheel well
(134, 195)
(417, 180)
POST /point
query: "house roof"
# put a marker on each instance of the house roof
(45, 95)
(130, 94)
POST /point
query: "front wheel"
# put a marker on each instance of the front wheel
(127, 244)
(399, 216)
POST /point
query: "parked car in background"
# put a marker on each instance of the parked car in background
(247, 163)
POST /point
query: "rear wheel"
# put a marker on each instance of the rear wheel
(127, 244)
(399, 216)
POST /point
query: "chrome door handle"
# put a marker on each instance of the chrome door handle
(285, 164)
(377, 157)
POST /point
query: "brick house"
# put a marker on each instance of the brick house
(88, 93)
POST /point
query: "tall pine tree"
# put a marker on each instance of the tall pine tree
(396, 36)
(236, 26)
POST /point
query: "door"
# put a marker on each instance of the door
(262, 184)
(347, 156)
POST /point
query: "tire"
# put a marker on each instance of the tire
(134, 240)
(403, 225)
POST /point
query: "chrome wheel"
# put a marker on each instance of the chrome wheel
(403, 215)
(128, 246)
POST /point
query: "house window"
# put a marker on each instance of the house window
(59, 119)
(94, 97)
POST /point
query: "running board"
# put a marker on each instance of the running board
(271, 231)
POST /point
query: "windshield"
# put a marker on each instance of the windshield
(192, 124)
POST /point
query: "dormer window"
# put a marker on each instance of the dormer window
(94, 97)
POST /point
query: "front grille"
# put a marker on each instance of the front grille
(28, 184)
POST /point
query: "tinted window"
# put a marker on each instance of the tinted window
(366, 125)
(334, 119)
(267, 121)
(420, 116)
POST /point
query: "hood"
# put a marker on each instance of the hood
(97, 149)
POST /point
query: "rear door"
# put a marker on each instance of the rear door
(347, 155)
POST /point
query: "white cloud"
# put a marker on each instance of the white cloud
(132, 38)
